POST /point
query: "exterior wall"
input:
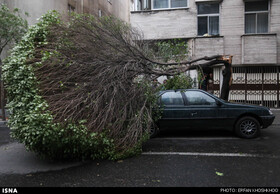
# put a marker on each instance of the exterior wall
(275, 24)
(259, 49)
(36, 8)
(204, 46)
(165, 24)
(232, 27)
(118, 8)
(182, 23)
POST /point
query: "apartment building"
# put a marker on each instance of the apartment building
(36, 8)
(247, 29)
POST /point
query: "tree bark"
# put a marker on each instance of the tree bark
(227, 79)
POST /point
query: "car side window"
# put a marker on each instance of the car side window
(199, 98)
(172, 98)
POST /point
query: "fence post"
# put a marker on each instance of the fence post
(278, 103)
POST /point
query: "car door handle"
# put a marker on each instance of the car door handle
(194, 113)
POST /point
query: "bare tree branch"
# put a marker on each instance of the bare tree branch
(93, 74)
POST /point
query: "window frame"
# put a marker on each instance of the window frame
(199, 105)
(256, 18)
(208, 19)
(169, 6)
(173, 105)
(71, 8)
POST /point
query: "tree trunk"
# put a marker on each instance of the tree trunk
(227, 79)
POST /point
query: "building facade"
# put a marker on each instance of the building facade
(247, 29)
(36, 8)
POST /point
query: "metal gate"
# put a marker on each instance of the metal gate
(253, 85)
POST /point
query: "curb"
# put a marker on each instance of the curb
(3, 124)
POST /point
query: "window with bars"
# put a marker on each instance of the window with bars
(256, 17)
(208, 16)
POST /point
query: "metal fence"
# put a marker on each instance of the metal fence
(252, 85)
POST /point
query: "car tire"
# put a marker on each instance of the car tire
(154, 131)
(247, 127)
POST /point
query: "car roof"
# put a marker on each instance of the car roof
(177, 90)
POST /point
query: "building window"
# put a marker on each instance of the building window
(208, 18)
(256, 17)
(100, 13)
(71, 9)
(140, 5)
(169, 4)
(178, 3)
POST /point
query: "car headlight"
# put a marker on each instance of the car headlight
(271, 113)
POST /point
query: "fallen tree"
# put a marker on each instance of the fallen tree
(81, 89)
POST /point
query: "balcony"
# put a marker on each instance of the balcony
(259, 49)
(208, 46)
(165, 24)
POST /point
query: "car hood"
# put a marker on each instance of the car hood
(236, 105)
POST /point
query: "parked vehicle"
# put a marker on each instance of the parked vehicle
(194, 108)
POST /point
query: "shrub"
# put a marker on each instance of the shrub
(31, 122)
(181, 81)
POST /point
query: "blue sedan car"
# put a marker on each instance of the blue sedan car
(193, 109)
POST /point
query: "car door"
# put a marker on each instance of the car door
(203, 110)
(173, 110)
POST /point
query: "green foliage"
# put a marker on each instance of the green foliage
(12, 27)
(175, 49)
(181, 81)
(200, 76)
(30, 121)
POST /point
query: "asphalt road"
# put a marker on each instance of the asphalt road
(175, 159)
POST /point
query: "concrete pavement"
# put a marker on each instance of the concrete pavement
(16, 160)
(276, 112)
(254, 163)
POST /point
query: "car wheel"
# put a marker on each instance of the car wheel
(154, 131)
(247, 127)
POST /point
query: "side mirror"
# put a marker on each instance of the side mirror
(218, 103)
